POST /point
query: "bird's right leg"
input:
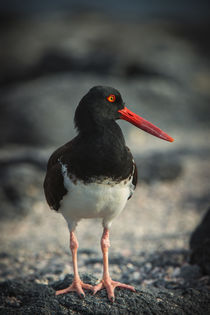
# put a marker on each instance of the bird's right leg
(77, 284)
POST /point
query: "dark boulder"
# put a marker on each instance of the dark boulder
(200, 244)
(202, 232)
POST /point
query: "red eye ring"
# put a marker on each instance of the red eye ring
(111, 98)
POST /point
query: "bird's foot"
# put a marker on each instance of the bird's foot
(76, 286)
(110, 286)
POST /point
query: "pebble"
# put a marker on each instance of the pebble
(176, 272)
(136, 275)
(148, 266)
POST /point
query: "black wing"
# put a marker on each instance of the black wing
(54, 183)
(54, 187)
(134, 173)
(135, 176)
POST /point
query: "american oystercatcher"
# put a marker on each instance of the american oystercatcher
(94, 174)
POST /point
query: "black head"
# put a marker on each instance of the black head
(102, 105)
(99, 105)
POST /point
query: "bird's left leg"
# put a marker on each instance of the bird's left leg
(77, 284)
(106, 281)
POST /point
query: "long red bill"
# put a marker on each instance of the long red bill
(143, 124)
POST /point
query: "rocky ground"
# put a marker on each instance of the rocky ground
(163, 73)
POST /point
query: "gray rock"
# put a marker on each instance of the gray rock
(28, 297)
(157, 166)
(39, 113)
(21, 185)
(189, 272)
(85, 42)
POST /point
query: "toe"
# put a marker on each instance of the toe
(110, 292)
(87, 286)
(78, 288)
(112, 299)
(62, 291)
(124, 286)
(97, 288)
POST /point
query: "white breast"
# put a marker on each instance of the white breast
(93, 200)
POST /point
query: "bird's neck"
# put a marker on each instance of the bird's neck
(101, 151)
(108, 134)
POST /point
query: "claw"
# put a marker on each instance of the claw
(82, 296)
(112, 299)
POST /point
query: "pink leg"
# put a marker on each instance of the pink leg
(106, 281)
(77, 285)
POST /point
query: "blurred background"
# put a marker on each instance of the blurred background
(157, 54)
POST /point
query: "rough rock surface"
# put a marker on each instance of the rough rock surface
(164, 280)
(27, 297)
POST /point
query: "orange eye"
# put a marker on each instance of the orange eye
(111, 98)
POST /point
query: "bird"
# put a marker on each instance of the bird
(94, 174)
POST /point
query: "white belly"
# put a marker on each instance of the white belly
(94, 200)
